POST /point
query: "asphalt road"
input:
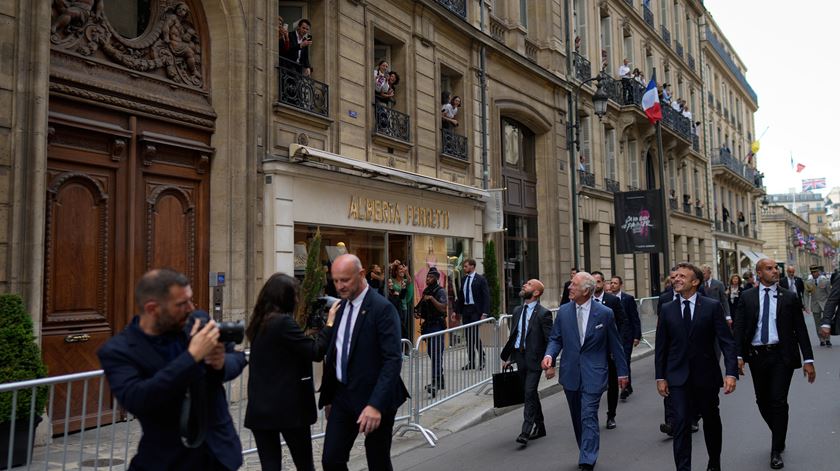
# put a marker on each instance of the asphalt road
(813, 441)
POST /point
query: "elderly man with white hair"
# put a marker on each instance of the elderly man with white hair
(586, 334)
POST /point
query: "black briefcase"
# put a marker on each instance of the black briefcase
(507, 388)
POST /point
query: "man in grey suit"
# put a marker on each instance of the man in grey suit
(830, 316)
(714, 289)
(818, 288)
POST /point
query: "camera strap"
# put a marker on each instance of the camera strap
(193, 421)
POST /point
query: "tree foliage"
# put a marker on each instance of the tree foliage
(314, 279)
(491, 274)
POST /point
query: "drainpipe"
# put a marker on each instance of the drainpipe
(710, 204)
(482, 80)
(571, 119)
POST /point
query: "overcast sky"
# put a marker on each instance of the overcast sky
(788, 51)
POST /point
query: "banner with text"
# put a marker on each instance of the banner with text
(494, 216)
(639, 222)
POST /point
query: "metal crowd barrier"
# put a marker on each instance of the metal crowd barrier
(647, 316)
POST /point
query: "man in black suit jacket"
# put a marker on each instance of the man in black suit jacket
(361, 383)
(526, 347)
(769, 333)
(294, 48)
(565, 298)
(686, 365)
(793, 283)
(633, 332)
(152, 364)
(601, 296)
(830, 324)
(473, 305)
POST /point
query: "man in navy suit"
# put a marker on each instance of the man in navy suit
(687, 368)
(614, 303)
(586, 334)
(361, 386)
(633, 332)
(294, 48)
(473, 305)
(156, 360)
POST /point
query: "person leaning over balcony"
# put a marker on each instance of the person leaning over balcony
(624, 69)
(393, 81)
(294, 48)
(449, 112)
(382, 93)
(169, 360)
(281, 393)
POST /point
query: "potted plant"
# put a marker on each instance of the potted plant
(20, 360)
(313, 282)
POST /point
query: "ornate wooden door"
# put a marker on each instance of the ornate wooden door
(127, 179)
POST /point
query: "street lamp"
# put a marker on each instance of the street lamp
(599, 102)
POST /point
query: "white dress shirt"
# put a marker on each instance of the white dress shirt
(623, 70)
(692, 304)
(583, 309)
(773, 332)
(356, 303)
(792, 284)
(468, 291)
(524, 321)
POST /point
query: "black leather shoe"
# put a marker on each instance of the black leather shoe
(538, 432)
(712, 467)
(822, 343)
(695, 427)
(776, 461)
(468, 366)
(432, 390)
(667, 429)
(828, 343)
(625, 394)
(610, 424)
(522, 439)
(585, 466)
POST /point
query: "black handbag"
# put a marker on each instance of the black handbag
(507, 388)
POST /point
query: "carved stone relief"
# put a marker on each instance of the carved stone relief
(171, 44)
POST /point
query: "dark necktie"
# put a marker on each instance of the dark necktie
(524, 328)
(345, 345)
(468, 290)
(687, 315)
(765, 318)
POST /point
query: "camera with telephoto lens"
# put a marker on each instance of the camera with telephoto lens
(319, 312)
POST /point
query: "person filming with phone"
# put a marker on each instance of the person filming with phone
(294, 46)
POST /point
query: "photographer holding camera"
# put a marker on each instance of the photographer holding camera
(432, 310)
(281, 393)
(167, 368)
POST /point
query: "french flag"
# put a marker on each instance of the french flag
(650, 101)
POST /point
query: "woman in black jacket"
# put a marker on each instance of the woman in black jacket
(281, 393)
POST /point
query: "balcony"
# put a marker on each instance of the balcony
(695, 142)
(631, 92)
(612, 186)
(711, 99)
(687, 208)
(304, 93)
(717, 225)
(583, 68)
(455, 145)
(730, 63)
(698, 211)
(672, 203)
(391, 123)
(678, 123)
(648, 16)
(691, 63)
(666, 35)
(586, 178)
(727, 161)
(633, 188)
(459, 7)
(678, 47)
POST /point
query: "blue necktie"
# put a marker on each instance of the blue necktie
(765, 318)
(523, 329)
(345, 346)
(468, 290)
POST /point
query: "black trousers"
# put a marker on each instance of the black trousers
(612, 388)
(434, 348)
(470, 315)
(628, 353)
(771, 380)
(532, 411)
(687, 401)
(342, 431)
(299, 441)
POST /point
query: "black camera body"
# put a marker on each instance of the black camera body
(319, 312)
(228, 331)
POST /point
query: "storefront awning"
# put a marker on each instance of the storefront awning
(303, 154)
(753, 256)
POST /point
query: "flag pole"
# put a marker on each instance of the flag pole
(666, 242)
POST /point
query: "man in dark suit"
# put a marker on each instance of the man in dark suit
(714, 289)
(633, 332)
(830, 324)
(361, 386)
(602, 296)
(793, 283)
(586, 333)
(164, 353)
(473, 305)
(294, 48)
(530, 328)
(565, 298)
(687, 369)
(769, 333)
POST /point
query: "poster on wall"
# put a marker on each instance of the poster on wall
(639, 222)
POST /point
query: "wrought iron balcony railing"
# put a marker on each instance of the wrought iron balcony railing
(455, 145)
(304, 93)
(666, 35)
(687, 208)
(583, 68)
(392, 123)
(691, 63)
(678, 47)
(648, 16)
(711, 99)
(633, 188)
(629, 3)
(695, 142)
(717, 225)
(698, 211)
(678, 123)
(586, 178)
(726, 159)
(672, 203)
(459, 7)
(612, 186)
